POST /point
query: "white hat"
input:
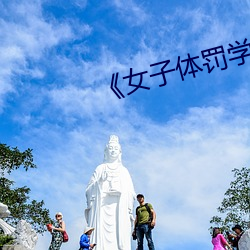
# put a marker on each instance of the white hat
(87, 229)
(59, 213)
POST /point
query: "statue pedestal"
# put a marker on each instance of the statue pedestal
(13, 247)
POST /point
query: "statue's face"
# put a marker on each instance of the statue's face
(114, 150)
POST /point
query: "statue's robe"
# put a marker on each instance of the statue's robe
(110, 197)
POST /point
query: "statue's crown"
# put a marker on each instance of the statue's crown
(113, 138)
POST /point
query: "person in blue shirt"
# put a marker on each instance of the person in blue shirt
(84, 240)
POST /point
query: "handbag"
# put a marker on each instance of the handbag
(134, 235)
(65, 236)
(49, 227)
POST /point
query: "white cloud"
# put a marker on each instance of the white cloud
(131, 12)
(80, 3)
(86, 102)
(32, 33)
(25, 35)
(183, 167)
(101, 69)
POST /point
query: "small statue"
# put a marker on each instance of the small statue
(4, 212)
(23, 234)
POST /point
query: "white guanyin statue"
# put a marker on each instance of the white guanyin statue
(110, 198)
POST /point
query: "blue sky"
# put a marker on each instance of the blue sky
(179, 141)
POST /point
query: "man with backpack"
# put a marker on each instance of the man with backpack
(144, 223)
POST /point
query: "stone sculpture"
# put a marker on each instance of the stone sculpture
(4, 212)
(25, 237)
(244, 242)
(110, 198)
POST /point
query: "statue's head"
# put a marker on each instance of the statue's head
(4, 211)
(113, 150)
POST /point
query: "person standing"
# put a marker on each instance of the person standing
(143, 225)
(239, 231)
(85, 239)
(218, 240)
(56, 231)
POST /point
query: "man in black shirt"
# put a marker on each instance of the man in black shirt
(239, 231)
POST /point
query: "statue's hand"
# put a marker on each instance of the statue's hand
(104, 176)
(132, 217)
(90, 202)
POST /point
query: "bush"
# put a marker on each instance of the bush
(6, 240)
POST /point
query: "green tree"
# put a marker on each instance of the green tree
(235, 207)
(17, 199)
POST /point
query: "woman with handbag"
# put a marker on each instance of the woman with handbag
(57, 232)
(219, 241)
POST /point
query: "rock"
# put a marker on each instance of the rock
(13, 247)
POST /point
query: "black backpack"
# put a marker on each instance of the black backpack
(150, 218)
